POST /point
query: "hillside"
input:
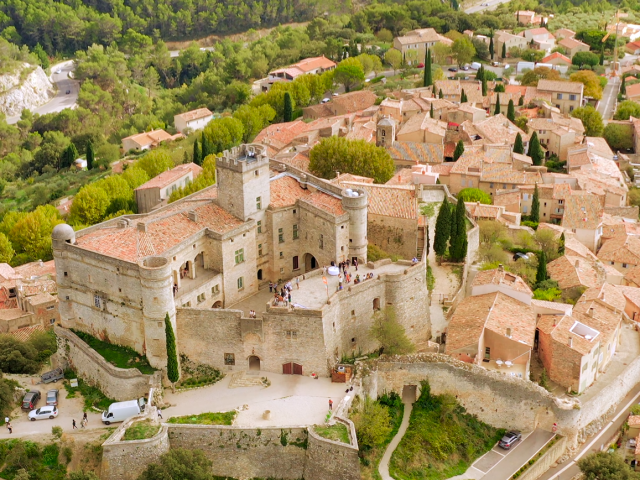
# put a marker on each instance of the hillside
(26, 87)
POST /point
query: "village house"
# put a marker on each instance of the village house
(147, 140)
(564, 33)
(540, 38)
(421, 128)
(574, 272)
(633, 92)
(557, 133)
(509, 41)
(527, 17)
(566, 96)
(552, 199)
(156, 192)
(583, 215)
(315, 65)
(557, 59)
(341, 105)
(621, 252)
(419, 40)
(572, 46)
(193, 120)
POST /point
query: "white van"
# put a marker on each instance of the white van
(475, 65)
(120, 411)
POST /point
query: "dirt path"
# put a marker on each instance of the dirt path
(383, 468)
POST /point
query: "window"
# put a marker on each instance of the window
(259, 226)
(229, 359)
(296, 264)
(504, 185)
(201, 298)
(571, 108)
(572, 97)
(215, 289)
(624, 265)
(52, 321)
(97, 301)
(584, 367)
(612, 263)
(259, 249)
(256, 173)
(239, 256)
(280, 236)
(487, 353)
(525, 197)
(560, 202)
(51, 307)
(281, 254)
(383, 133)
(291, 334)
(295, 231)
(545, 204)
(491, 185)
(559, 96)
(65, 274)
(525, 209)
(240, 283)
(258, 203)
(321, 242)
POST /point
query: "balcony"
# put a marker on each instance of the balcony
(204, 278)
(498, 365)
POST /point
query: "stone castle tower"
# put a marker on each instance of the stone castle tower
(386, 132)
(355, 203)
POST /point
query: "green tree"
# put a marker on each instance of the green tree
(601, 55)
(535, 150)
(458, 249)
(372, 422)
(535, 206)
(504, 50)
(348, 75)
(491, 46)
(197, 159)
(484, 86)
(604, 466)
(205, 150)
(155, 162)
(474, 195)
(591, 82)
(390, 333)
(463, 97)
(627, 109)
(431, 113)
(179, 463)
(135, 176)
(350, 156)
(91, 156)
(623, 86)
(288, 107)
(561, 245)
(619, 137)
(511, 112)
(532, 77)
(497, 109)
(69, 156)
(6, 249)
(480, 73)
(591, 120)
(42, 56)
(518, 146)
(427, 70)
(222, 134)
(521, 101)
(173, 371)
(80, 475)
(585, 58)
(541, 272)
(458, 151)
(254, 119)
(394, 58)
(89, 206)
(463, 50)
(443, 229)
(440, 94)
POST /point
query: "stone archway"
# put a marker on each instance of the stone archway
(218, 304)
(310, 262)
(260, 274)
(254, 362)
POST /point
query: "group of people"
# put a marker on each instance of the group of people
(282, 298)
(252, 314)
(83, 422)
(345, 277)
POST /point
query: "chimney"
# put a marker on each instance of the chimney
(570, 342)
(591, 312)
(142, 227)
(500, 267)
(193, 216)
(122, 223)
(577, 263)
(39, 263)
(508, 332)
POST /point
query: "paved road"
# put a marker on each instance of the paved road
(63, 99)
(176, 53)
(492, 4)
(569, 469)
(383, 468)
(607, 105)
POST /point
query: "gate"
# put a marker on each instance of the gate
(286, 368)
(297, 369)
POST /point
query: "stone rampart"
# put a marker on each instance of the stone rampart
(543, 464)
(329, 460)
(117, 383)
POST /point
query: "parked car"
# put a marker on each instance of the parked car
(52, 397)
(465, 68)
(453, 69)
(495, 64)
(52, 376)
(49, 411)
(120, 411)
(30, 400)
(484, 4)
(58, 71)
(326, 100)
(68, 92)
(509, 439)
(420, 65)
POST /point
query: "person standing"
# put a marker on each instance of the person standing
(10, 428)
(355, 263)
(85, 419)
(298, 283)
(6, 421)
(330, 404)
(160, 413)
(74, 427)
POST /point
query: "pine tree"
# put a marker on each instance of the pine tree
(204, 147)
(480, 73)
(518, 146)
(443, 229)
(431, 113)
(458, 151)
(91, 156)
(521, 101)
(602, 55)
(535, 206)
(427, 69)
(535, 150)
(173, 374)
(511, 111)
(623, 86)
(458, 244)
(427, 240)
(463, 97)
(454, 5)
(504, 50)
(541, 273)
(491, 46)
(69, 156)
(484, 87)
(561, 245)
(440, 95)
(497, 110)
(288, 107)
(197, 156)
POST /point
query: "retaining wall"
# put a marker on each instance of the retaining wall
(543, 464)
(117, 383)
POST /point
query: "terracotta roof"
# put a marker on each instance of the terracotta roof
(309, 64)
(556, 56)
(479, 210)
(416, 152)
(170, 176)
(608, 293)
(570, 271)
(563, 307)
(422, 35)
(194, 114)
(36, 269)
(286, 191)
(349, 177)
(501, 277)
(279, 135)
(389, 200)
(582, 212)
(153, 137)
(6, 271)
(297, 160)
(355, 101)
(633, 276)
(559, 328)
(325, 202)
(422, 121)
(24, 334)
(621, 249)
(560, 86)
(630, 293)
(404, 176)
(574, 247)
(633, 90)
(506, 198)
(572, 43)
(556, 229)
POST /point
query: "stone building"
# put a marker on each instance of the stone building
(216, 248)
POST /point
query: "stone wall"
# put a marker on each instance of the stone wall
(117, 383)
(543, 464)
(329, 460)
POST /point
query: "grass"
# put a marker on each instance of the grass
(337, 432)
(209, 418)
(141, 430)
(40, 461)
(92, 396)
(442, 440)
(120, 356)
(431, 280)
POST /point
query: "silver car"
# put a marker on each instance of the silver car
(52, 397)
(49, 411)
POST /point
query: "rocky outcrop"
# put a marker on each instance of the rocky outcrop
(28, 87)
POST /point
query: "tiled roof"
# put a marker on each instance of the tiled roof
(422, 35)
(389, 200)
(24, 334)
(506, 197)
(560, 86)
(170, 176)
(355, 101)
(582, 212)
(325, 202)
(349, 177)
(633, 276)
(501, 277)
(448, 87)
(556, 56)
(416, 152)
(6, 271)
(559, 327)
(404, 176)
(194, 114)
(279, 135)
(153, 137)
(309, 64)
(496, 129)
(286, 191)
(297, 160)
(36, 269)
(608, 293)
(630, 293)
(621, 249)
(504, 173)
(574, 247)
(564, 307)
(570, 271)
(633, 90)
(422, 121)
(571, 43)
(479, 210)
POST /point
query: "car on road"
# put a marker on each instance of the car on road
(58, 71)
(465, 68)
(420, 65)
(453, 69)
(495, 64)
(509, 440)
(30, 400)
(52, 397)
(68, 92)
(484, 4)
(49, 411)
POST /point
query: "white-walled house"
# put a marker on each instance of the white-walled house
(193, 120)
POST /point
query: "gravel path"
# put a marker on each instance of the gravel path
(383, 468)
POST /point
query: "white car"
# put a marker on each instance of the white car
(49, 411)
(58, 71)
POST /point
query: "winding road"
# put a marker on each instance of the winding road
(62, 99)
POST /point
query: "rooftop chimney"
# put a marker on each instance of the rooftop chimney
(142, 227)
(570, 342)
(591, 312)
(508, 332)
(193, 216)
(577, 263)
(500, 267)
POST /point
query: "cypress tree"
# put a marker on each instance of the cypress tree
(504, 50)
(484, 87)
(458, 249)
(427, 241)
(623, 86)
(480, 73)
(535, 206)
(458, 151)
(433, 91)
(511, 112)
(443, 229)
(518, 146)
(491, 46)
(497, 110)
(521, 100)
(541, 273)
(440, 95)
(288, 107)
(91, 156)
(173, 374)
(535, 150)
(602, 55)
(561, 245)
(427, 69)
(204, 147)
(431, 114)
(197, 157)
(68, 156)
(463, 97)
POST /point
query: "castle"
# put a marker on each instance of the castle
(219, 248)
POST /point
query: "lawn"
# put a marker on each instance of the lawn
(141, 430)
(337, 432)
(92, 396)
(121, 357)
(442, 440)
(209, 418)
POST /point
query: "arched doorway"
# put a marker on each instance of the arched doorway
(218, 304)
(260, 274)
(310, 262)
(254, 363)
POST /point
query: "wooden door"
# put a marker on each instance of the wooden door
(286, 368)
(297, 369)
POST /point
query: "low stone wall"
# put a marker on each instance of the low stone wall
(543, 464)
(117, 383)
(329, 460)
